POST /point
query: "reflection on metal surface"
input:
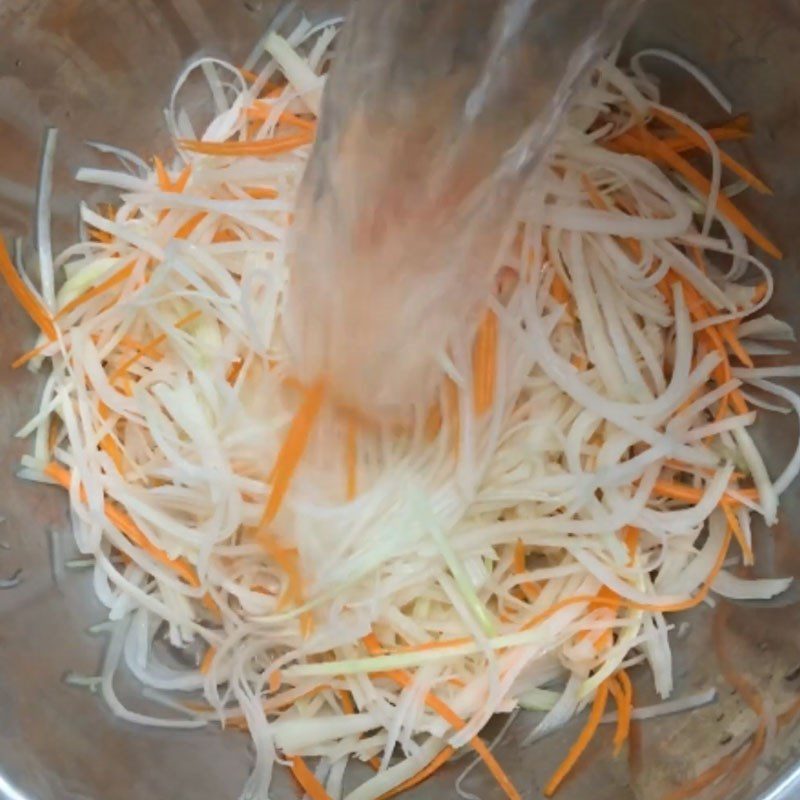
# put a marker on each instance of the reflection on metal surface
(102, 70)
(9, 792)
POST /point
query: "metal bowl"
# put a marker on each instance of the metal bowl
(102, 69)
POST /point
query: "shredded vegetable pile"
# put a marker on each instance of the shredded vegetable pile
(353, 590)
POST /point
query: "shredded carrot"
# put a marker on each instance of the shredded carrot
(627, 688)
(689, 494)
(484, 363)
(267, 147)
(108, 443)
(582, 742)
(348, 706)
(558, 290)
(225, 235)
(733, 522)
(208, 657)
(580, 362)
(680, 144)
(275, 680)
(306, 624)
(182, 180)
(164, 182)
(127, 526)
(728, 332)
(433, 702)
(451, 406)
(263, 111)
(598, 601)
(234, 370)
(623, 713)
(118, 277)
(248, 74)
(262, 193)
(186, 229)
(52, 433)
(731, 163)
(299, 122)
(150, 348)
(291, 452)
(351, 459)
(26, 357)
(735, 129)
(307, 780)
(433, 422)
(658, 149)
(36, 311)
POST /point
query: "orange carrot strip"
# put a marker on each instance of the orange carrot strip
(597, 601)
(291, 452)
(528, 588)
(307, 780)
(150, 347)
(689, 494)
(452, 411)
(248, 74)
(262, 193)
(208, 657)
(733, 522)
(702, 184)
(186, 229)
(225, 235)
(118, 277)
(728, 332)
(183, 179)
(107, 443)
(36, 311)
(680, 144)
(234, 370)
(53, 433)
(127, 526)
(620, 732)
(448, 715)
(731, 163)
(627, 688)
(351, 459)
(268, 147)
(275, 680)
(594, 601)
(26, 357)
(164, 182)
(558, 290)
(348, 706)
(293, 119)
(484, 361)
(263, 111)
(582, 742)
